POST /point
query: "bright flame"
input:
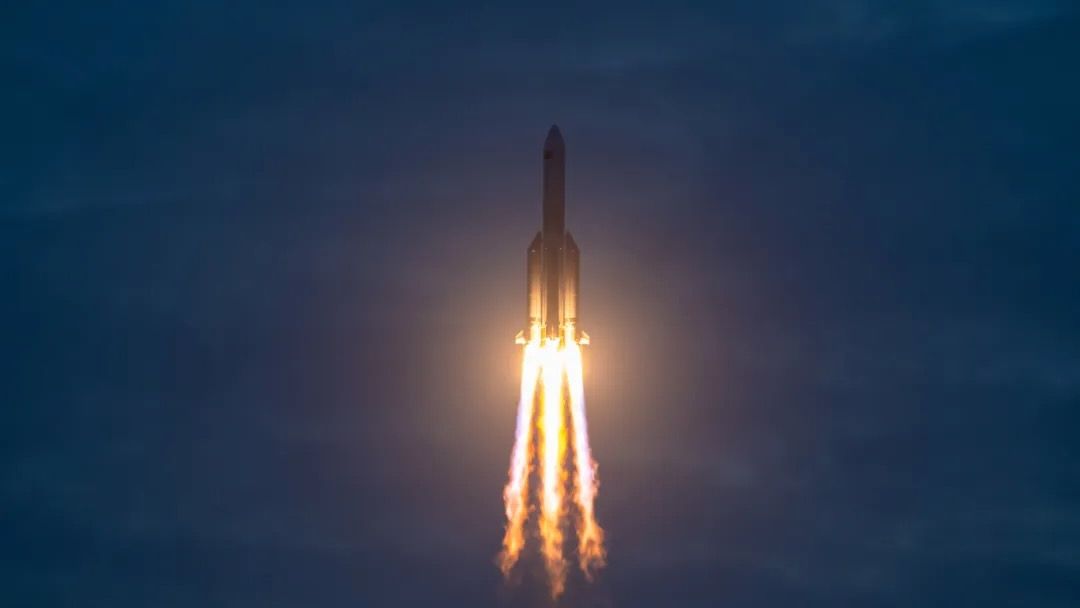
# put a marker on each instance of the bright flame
(549, 364)
(553, 443)
(590, 535)
(516, 493)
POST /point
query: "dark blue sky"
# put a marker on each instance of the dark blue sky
(263, 269)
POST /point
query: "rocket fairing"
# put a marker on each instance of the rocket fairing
(552, 260)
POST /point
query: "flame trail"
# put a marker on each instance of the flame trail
(547, 364)
(516, 493)
(590, 535)
(553, 442)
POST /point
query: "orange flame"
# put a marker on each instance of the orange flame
(516, 493)
(553, 444)
(591, 555)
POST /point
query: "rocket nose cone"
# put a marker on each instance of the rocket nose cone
(554, 139)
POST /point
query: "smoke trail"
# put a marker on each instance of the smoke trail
(590, 535)
(553, 442)
(516, 492)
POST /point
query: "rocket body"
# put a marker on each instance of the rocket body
(552, 260)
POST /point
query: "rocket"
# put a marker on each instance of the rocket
(552, 261)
